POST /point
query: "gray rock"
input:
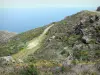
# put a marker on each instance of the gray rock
(86, 39)
(98, 9)
(5, 36)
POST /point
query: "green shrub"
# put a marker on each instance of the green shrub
(30, 70)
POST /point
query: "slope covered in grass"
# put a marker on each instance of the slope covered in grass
(32, 45)
(19, 41)
(5, 36)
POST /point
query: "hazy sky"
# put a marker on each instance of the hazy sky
(23, 15)
(48, 3)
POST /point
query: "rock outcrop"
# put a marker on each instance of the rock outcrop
(5, 36)
(98, 9)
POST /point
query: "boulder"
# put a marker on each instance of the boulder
(96, 18)
(85, 39)
(91, 20)
(6, 60)
(98, 9)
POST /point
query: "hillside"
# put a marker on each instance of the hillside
(19, 41)
(74, 35)
(5, 36)
(68, 47)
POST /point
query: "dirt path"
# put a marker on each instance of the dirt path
(33, 45)
(37, 40)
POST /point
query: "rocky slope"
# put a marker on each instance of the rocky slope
(69, 47)
(5, 36)
(78, 35)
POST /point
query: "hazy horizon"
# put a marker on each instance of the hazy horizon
(48, 3)
(23, 19)
(22, 15)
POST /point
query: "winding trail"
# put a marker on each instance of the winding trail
(32, 46)
(36, 42)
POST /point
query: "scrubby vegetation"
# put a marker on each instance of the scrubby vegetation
(70, 47)
(30, 70)
(77, 34)
(19, 41)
